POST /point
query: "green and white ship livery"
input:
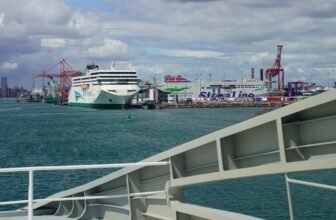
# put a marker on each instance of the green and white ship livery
(104, 88)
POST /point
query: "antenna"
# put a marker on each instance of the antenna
(113, 65)
(33, 81)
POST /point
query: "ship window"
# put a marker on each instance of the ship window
(113, 73)
(111, 77)
(120, 81)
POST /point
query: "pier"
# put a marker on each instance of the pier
(215, 105)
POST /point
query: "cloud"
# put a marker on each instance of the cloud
(111, 49)
(84, 24)
(329, 42)
(195, 1)
(322, 10)
(53, 42)
(221, 37)
(2, 15)
(9, 66)
(186, 53)
(37, 13)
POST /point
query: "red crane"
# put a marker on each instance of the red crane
(66, 72)
(276, 71)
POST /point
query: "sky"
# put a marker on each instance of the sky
(193, 38)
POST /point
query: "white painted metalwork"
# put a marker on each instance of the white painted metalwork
(14, 202)
(289, 198)
(98, 197)
(30, 195)
(81, 198)
(305, 183)
(81, 167)
(31, 171)
(308, 183)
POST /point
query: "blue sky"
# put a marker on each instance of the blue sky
(190, 37)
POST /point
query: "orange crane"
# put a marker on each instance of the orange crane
(276, 71)
(66, 72)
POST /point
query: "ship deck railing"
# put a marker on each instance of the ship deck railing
(31, 171)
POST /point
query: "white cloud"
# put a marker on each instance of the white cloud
(300, 70)
(221, 37)
(195, 53)
(9, 66)
(329, 42)
(85, 24)
(37, 13)
(111, 49)
(2, 16)
(258, 57)
(187, 53)
(53, 42)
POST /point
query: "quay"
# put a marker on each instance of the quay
(206, 105)
(215, 105)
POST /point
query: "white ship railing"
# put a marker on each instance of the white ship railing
(305, 183)
(31, 171)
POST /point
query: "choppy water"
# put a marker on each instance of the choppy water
(39, 134)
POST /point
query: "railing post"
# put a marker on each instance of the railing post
(30, 195)
(291, 215)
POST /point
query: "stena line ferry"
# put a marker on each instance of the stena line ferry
(103, 88)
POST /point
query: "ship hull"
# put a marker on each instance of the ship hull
(50, 100)
(101, 106)
(102, 98)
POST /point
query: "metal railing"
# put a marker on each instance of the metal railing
(305, 183)
(31, 171)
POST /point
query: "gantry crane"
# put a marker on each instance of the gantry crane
(66, 72)
(276, 71)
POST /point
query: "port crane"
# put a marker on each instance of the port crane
(276, 71)
(65, 73)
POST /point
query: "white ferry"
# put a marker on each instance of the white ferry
(103, 88)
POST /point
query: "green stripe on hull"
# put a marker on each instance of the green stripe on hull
(50, 100)
(104, 106)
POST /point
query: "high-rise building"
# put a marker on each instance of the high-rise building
(4, 88)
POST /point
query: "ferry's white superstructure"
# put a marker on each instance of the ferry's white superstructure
(104, 88)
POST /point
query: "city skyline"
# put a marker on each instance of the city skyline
(6, 91)
(14, 83)
(187, 37)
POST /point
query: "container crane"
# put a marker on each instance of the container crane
(66, 72)
(276, 71)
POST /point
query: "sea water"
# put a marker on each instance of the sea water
(38, 134)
